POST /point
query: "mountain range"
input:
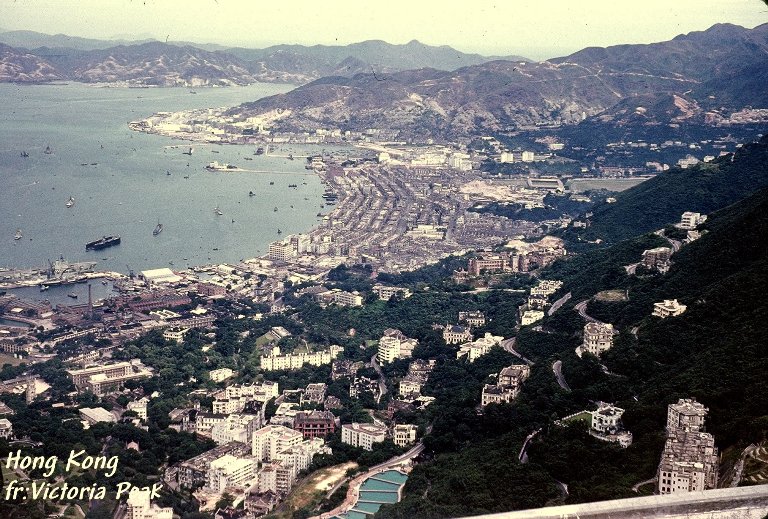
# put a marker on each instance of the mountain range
(695, 78)
(36, 57)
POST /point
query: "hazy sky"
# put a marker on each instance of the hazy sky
(543, 27)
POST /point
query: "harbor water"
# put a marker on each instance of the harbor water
(125, 183)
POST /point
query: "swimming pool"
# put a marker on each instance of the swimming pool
(379, 489)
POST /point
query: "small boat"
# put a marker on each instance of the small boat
(233, 220)
(72, 295)
(319, 215)
(251, 193)
(18, 235)
(158, 229)
(24, 154)
(70, 202)
(186, 176)
(214, 151)
(168, 172)
(259, 151)
(290, 157)
(217, 211)
(279, 231)
(94, 163)
(48, 150)
(43, 288)
(275, 209)
(248, 158)
(292, 185)
(271, 183)
(188, 152)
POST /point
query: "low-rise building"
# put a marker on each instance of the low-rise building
(657, 259)
(404, 434)
(476, 349)
(314, 424)
(290, 361)
(6, 429)
(314, 394)
(385, 293)
(235, 427)
(474, 318)
(668, 308)
(531, 316)
(456, 334)
(606, 424)
(139, 407)
(93, 415)
(106, 378)
(508, 385)
(139, 506)
(363, 435)
(220, 375)
(598, 338)
(175, 334)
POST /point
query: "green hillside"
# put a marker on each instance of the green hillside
(661, 200)
(717, 352)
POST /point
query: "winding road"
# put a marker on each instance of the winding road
(557, 369)
(382, 379)
(509, 345)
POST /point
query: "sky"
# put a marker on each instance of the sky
(538, 29)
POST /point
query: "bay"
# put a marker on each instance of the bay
(138, 181)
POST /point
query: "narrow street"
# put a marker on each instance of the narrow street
(557, 369)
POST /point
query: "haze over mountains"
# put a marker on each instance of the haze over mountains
(36, 57)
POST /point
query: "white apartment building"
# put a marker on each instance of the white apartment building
(139, 407)
(473, 318)
(229, 471)
(175, 334)
(297, 360)
(598, 338)
(282, 250)
(476, 349)
(220, 375)
(668, 308)
(410, 387)
(139, 506)
(363, 435)
(546, 287)
(531, 316)
(404, 434)
(690, 220)
(236, 427)
(395, 345)
(271, 439)
(385, 293)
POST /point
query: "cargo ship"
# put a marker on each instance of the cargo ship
(103, 243)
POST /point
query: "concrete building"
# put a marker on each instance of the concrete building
(404, 434)
(385, 292)
(271, 439)
(395, 345)
(598, 338)
(6, 429)
(546, 287)
(474, 318)
(363, 435)
(476, 349)
(139, 407)
(690, 220)
(220, 375)
(289, 361)
(230, 471)
(106, 378)
(606, 425)
(456, 334)
(175, 334)
(508, 385)
(668, 308)
(282, 250)
(93, 415)
(139, 506)
(314, 424)
(531, 316)
(657, 259)
(689, 462)
(235, 428)
(314, 394)
(194, 471)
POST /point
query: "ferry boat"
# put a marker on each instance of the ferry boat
(18, 235)
(103, 243)
(215, 166)
(70, 202)
(158, 229)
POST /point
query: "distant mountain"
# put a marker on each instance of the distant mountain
(296, 64)
(22, 67)
(680, 80)
(367, 56)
